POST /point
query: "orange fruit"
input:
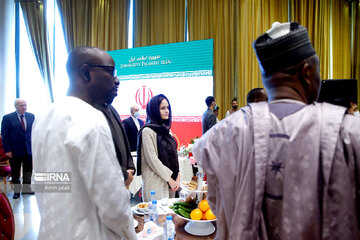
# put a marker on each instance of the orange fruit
(209, 215)
(204, 205)
(203, 217)
(196, 214)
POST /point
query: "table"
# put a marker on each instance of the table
(180, 223)
(185, 168)
(179, 227)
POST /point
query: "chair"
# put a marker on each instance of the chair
(5, 169)
(7, 222)
(5, 172)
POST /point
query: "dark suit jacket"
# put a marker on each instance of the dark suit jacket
(131, 131)
(127, 163)
(208, 120)
(14, 138)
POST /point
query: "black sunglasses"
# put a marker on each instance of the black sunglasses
(111, 68)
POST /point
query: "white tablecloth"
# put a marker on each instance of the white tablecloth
(185, 169)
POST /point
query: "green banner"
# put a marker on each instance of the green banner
(185, 59)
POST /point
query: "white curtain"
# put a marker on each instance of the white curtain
(7, 57)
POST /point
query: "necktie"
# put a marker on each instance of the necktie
(22, 121)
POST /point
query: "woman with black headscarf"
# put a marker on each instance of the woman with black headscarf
(157, 160)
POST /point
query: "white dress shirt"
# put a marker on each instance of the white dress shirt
(24, 119)
(137, 124)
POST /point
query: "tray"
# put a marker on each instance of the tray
(134, 210)
(191, 191)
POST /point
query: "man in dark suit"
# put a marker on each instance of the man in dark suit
(121, 142)
(209, 117)
(16, 136)
(132, 126)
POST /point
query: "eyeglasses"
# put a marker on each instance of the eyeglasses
(108, 67)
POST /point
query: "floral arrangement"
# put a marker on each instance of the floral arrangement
(187, 150)
(192, 160)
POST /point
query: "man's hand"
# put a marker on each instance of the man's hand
(130, 178)
(8, 154)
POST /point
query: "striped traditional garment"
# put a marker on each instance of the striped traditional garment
(284, 170)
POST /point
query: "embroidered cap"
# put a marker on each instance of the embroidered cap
(284, 45)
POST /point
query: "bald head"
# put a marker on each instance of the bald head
(20, 105)
(83, 55)
(92, 75)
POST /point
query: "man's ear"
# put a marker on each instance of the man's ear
(308, 81)
(84, 72)
(306, 75)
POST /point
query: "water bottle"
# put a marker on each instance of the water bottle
(153, 215)
(147, 214)
(152, 196)
(169, 229)
(183, 195)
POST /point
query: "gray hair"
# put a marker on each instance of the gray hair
(17, 100)
(133, 106)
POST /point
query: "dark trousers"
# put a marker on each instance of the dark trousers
(15, 163)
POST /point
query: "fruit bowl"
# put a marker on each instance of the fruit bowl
(194, 204)
(202, 221)
(198, 227)
(195, 227)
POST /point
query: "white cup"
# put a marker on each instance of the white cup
(164, 201)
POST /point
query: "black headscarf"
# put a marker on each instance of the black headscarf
(166, 143)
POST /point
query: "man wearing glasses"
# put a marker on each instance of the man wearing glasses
(74, 137)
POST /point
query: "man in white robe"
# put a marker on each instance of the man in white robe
(73, 137)
(287, 169)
